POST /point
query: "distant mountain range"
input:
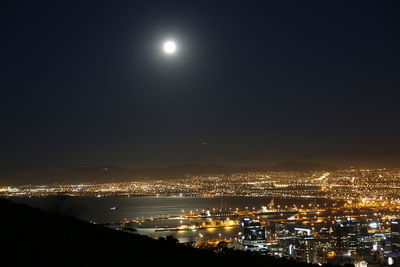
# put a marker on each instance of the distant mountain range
(113, 173)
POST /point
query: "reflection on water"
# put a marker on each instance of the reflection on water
(101, 210)
(194, 235)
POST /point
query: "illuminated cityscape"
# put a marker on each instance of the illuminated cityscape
(200, 133)
(343, 216)
(375, 187)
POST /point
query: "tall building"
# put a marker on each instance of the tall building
(253, 234)
(345, 236)
(395, 235)
(353, 232)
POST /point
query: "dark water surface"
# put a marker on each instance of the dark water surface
(99, 210)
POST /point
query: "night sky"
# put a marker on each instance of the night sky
(85, 83)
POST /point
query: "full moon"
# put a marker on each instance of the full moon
(169, 47)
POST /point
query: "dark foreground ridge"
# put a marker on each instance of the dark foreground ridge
(33, 237)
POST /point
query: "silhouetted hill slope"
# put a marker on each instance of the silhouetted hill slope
(113, 173)
(32, 237)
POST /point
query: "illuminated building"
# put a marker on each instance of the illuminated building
(253, 234)
(395, 235)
